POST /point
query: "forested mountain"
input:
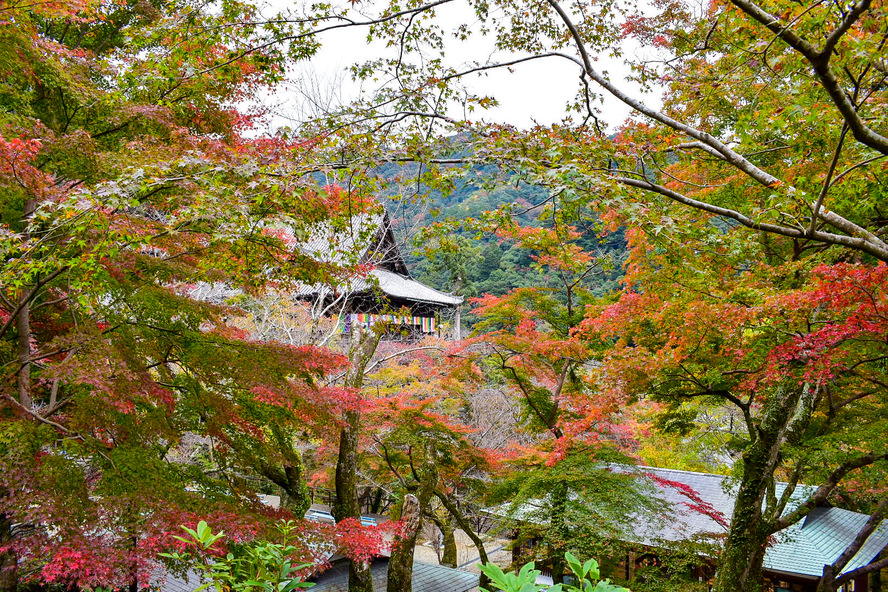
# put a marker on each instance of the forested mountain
(445, 249)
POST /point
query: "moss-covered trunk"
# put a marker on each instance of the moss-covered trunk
(740, 564)
(346, 505)
(363, 346)
(296, 497)
(558, 534)
(448, 536)
(467, 529)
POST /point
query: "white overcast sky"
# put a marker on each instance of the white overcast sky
(535, 91)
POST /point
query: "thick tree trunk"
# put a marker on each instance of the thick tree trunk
(290, 477)
(741, 561)
(448, 557)
(558, 531)
(346, 506)
(361, 350)
(8, 571)
(400, 570)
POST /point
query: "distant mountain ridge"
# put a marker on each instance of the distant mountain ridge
(472, 265)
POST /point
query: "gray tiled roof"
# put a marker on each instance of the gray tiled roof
(347, 244)
(391, 284)
(426, 578)
(818, 540)
(351, 244)
(716, 491)
(801, 549)
(398, 286)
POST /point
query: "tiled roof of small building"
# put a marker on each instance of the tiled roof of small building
(716, 491)
(802, 549)
(426, 578)
(820, 538)
(702, 504)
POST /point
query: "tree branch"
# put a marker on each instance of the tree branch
(827, 488)
(820, 61)
(829, 571)
(861, 240)
(30, 296)
(729, 155)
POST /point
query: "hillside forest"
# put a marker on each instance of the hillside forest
(393, 339)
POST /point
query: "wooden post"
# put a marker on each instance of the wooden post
(457, 323)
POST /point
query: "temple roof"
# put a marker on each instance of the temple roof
(367, 239)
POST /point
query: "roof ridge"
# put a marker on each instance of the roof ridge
(686, 472)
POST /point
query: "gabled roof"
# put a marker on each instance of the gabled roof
(362, 238)
(369, 239)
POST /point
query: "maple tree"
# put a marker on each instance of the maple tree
(129, 406)
(790, 356)
(421, 448)
(525, 340)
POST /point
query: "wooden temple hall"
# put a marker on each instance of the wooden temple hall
(386, 292)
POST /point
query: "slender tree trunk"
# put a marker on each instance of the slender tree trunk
(23, 327)
(400, 568)
(447, 554)
(376, 500)
(740, 562)
(466, 528)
